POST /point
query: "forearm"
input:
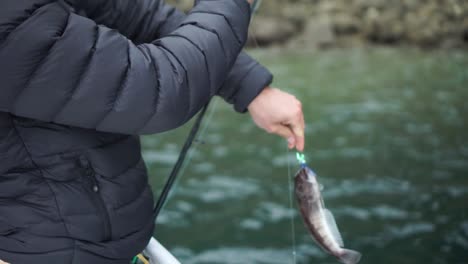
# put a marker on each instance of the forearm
(86, 75)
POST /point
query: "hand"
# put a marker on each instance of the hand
(250, 1)
(279, 113)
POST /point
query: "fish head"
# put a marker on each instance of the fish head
(305, 174)
(304, 182)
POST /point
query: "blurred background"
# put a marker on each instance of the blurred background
(384, 89)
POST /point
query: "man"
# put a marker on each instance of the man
(79, 81)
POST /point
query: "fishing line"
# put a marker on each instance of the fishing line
(291, 208)
(255, 6)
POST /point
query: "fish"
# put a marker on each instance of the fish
(318, 219)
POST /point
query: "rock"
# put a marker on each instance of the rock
(345, 24)
(318, 23)
(465, 30)
(318, 33)
(331, 7)
(269, 30)
(424, 27)
(381, 26)
(410, 5)
(184, 5)
(366, 4)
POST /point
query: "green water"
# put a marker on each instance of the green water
(387, 134)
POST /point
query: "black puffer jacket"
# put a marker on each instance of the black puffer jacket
(79, 81)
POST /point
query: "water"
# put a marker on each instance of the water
(387, 134)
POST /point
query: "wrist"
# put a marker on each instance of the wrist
(251, 86)
(259, 96)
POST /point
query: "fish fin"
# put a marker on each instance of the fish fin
(349, 256)
(333, 227)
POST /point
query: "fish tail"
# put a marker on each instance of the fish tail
(349, 256)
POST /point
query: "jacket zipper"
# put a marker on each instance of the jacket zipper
(99, 202)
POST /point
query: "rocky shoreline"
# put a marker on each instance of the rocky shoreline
(343, 23)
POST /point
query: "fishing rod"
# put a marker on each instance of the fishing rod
(180, 160)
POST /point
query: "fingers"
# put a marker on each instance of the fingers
(301, 146)
(298, 132)
(292, 129)
(297, 126)
(280, 113)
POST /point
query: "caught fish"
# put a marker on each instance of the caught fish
(318, 219)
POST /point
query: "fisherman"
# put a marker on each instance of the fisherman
(80, 80)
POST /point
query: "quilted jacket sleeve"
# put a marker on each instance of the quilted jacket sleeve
(143, 20)
(59, 67)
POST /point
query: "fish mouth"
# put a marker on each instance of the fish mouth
(302, 172)
(306, 173)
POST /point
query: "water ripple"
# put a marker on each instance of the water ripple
(164, 157)
(251, 224)
(458, 236)
(368, 186)
(242, 255)
(219, 188)
(381, 212)
(173, 218)
(271, 212)
(404, 231)
(409, 229)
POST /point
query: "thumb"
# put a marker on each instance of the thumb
(285, 132)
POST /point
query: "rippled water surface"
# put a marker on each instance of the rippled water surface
(387, 132)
